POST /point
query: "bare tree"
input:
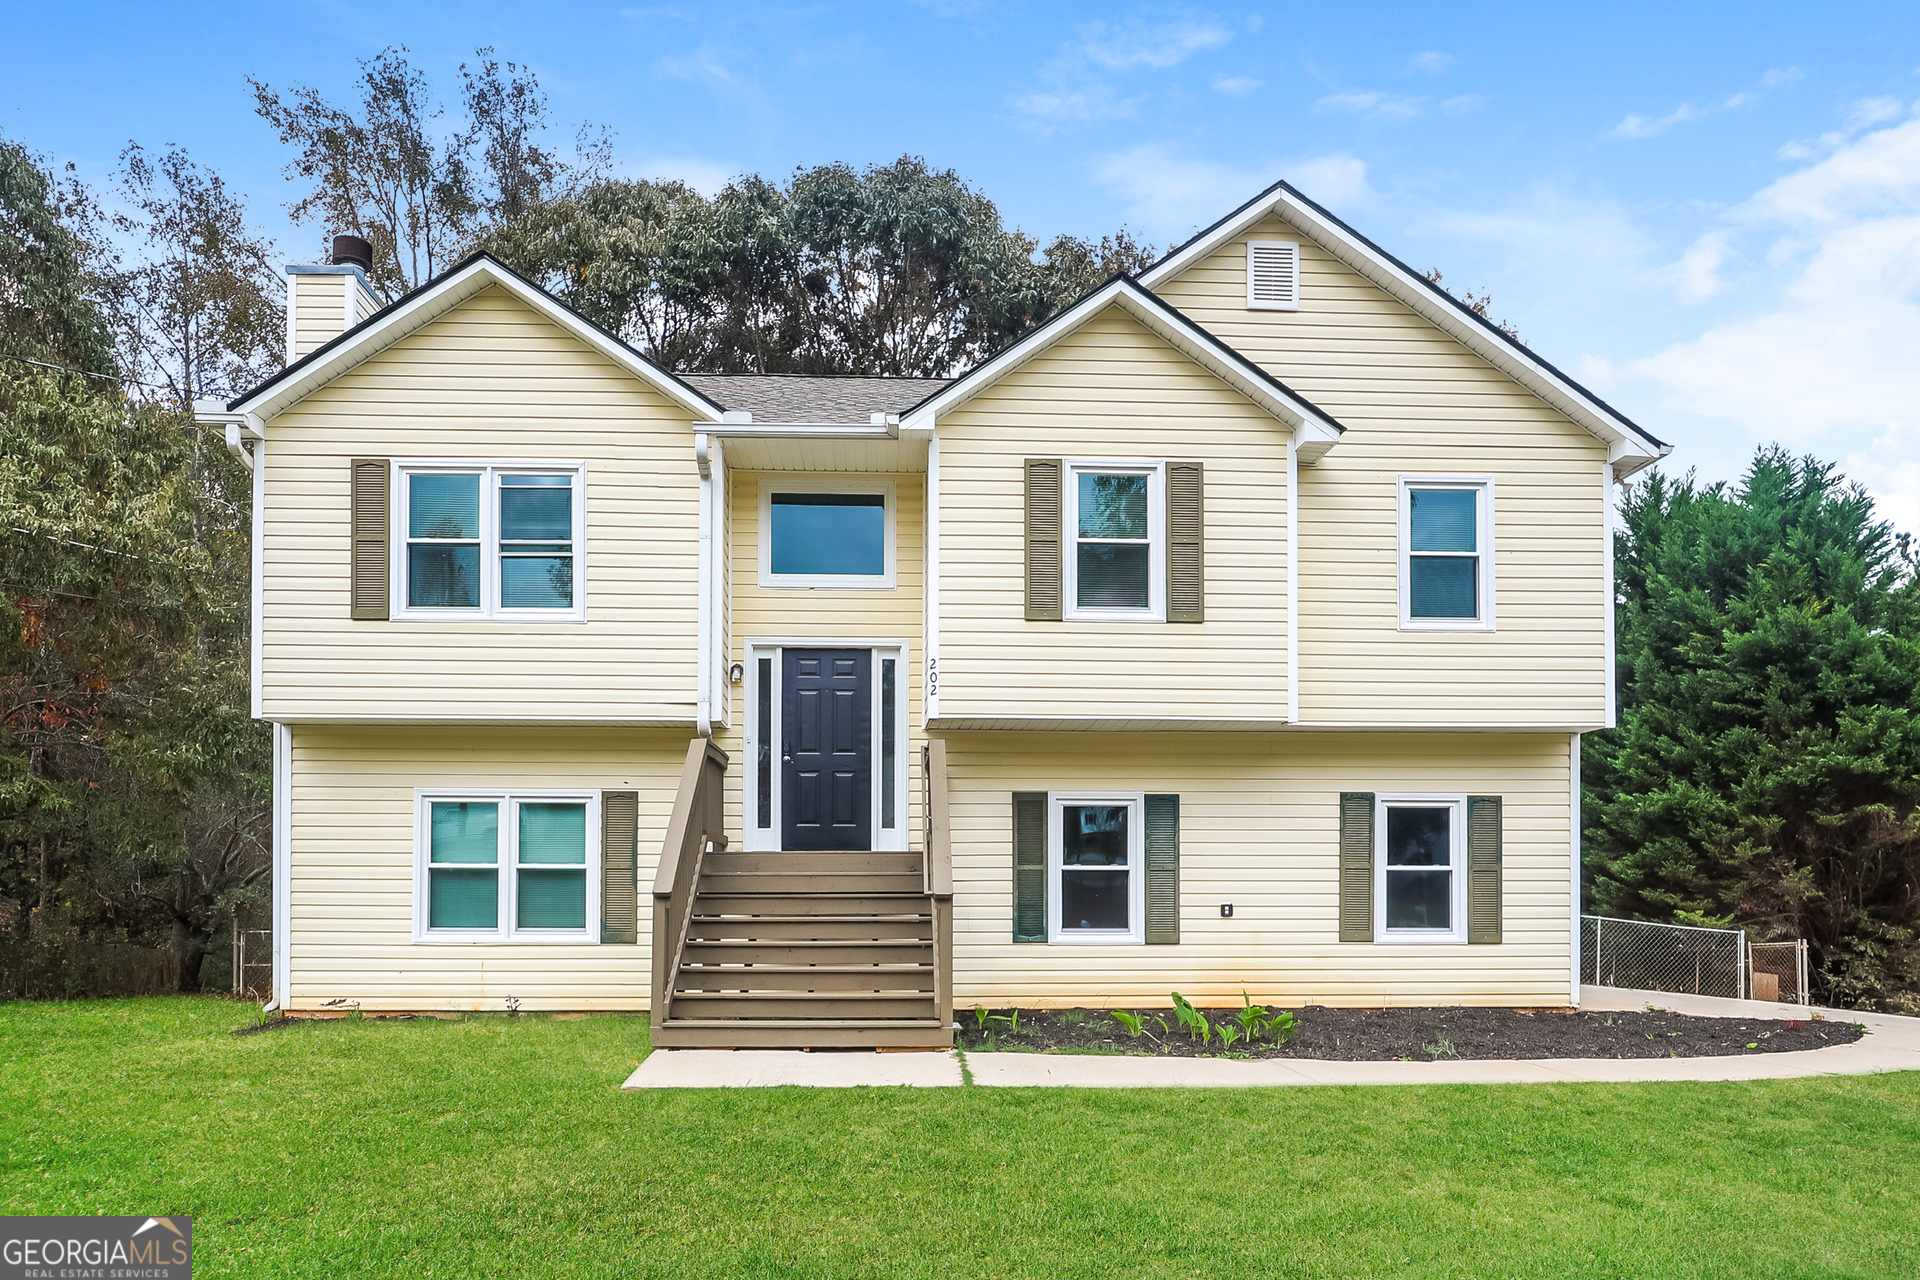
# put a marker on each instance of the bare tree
(202, 311)
(1480, 304)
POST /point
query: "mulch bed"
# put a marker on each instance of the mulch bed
(1419, 1035)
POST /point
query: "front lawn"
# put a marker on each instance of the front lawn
(497, 1147)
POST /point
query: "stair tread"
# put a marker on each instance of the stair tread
(890, 1023)
(780, 994)
(788, 919)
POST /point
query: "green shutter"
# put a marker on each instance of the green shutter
(369, 572)
(1483, 869)
(1043, 540)
(619, 866)
(1163, 869)
(1029, 866)
(1356, 866)
(1186, 560)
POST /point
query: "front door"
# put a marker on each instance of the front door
(826, 758)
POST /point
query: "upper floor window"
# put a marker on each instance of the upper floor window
(1116, 566)
(826, 532)
(1446, 553)
(488, 541)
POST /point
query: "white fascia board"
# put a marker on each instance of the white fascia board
(1627, 449)
(434, 301)
(1155, 315)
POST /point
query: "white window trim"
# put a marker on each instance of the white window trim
(783, 483)
(1156, 473)
(1255, 304)
(490, 608)
(506, 932)
(1057, 801)
(1483, 512)
(1457, 866)
(760, 839)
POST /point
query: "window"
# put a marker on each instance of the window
(826, 532)
(507, 867)
(488, 541)
(1446, 557)
(1095, 846)
(1117, 566)
(1419, 864)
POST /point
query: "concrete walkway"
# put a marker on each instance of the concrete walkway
(1891, 1044)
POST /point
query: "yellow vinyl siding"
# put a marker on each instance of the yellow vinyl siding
(890, 614)
(1111, 390)
(490, 380)
(1259, 828)
(352, 883)
(319, 311)
(1416, 402)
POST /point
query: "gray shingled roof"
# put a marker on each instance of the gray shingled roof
(809, 398)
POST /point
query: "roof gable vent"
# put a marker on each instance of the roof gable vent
(1273, 275)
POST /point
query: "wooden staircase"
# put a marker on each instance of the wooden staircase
(797, 950)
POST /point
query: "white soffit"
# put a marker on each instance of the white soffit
(1317, 430)
(427, 304)
(1629, 447)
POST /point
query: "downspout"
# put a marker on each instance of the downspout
(930, 591)
(282, 868)
(1573, 887)
(1607, 486)
(703, 711)
(1293, 577)
(719, 688)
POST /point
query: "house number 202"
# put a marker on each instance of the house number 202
(933, 677)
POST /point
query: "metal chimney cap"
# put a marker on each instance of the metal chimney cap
(354, 251)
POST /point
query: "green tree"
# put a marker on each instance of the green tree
(1766, 767)
(48, 307)
(897, 269)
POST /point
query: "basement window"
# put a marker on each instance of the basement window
(507, 867)
(1096, 847)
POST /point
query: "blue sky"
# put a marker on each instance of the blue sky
(1710, 213)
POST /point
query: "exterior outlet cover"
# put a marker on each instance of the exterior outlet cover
(1226, 911)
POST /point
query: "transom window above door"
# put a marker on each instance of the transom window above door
(1116, 566)
(826, 532)
(487, 541)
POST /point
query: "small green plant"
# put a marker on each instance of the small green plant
(1072, 1018)
(1165, 1030)
(1280, 1027)
(1133, 1022)
(1441, 1048)
(979, 1018)
(1228, 1034)
(1010, 1020)
(1254, 1021)
(1198, 1028)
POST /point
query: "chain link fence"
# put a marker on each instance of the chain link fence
(1644, 956)
(1778, 971)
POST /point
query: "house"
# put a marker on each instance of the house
(1234, 631)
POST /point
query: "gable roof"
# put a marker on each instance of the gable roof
(1630, 446)
(1316, 430)
(431, 301)
(812, 398)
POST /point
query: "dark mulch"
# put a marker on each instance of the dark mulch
(1389, 1035)
(271, 1024)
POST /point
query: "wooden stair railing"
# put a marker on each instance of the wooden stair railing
(938, 867)
(696, 827)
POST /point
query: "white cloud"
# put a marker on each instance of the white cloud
(1637, 126)
(1168, 195)
(1865, 114)
(705, 176)
(1078, 84)
(1134, 43)
(1830, 362)
(1236, 86)
(1431, 63)
(1372, 104)
(1696, 277)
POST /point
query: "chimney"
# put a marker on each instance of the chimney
(325, 300)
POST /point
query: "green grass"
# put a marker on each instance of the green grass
(498, 1147)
